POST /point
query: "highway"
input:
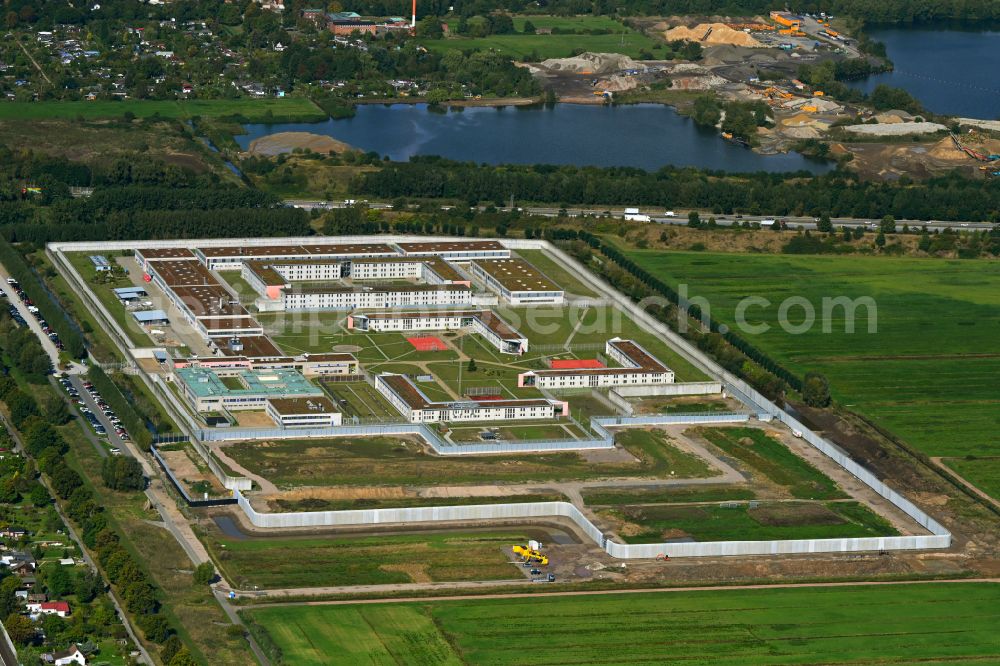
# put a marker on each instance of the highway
(658, 216)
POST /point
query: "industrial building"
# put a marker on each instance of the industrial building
(638, 367)
(484, 322)
(516, 281)
(413, 404)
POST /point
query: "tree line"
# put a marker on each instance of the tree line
(135, 587)
(841, 194)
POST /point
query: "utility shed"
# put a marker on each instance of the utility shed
(151, 317)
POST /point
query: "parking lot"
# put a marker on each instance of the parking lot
(102, 419)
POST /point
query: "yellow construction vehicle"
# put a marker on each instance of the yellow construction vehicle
(530, 555)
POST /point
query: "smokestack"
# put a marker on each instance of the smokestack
(413, 20)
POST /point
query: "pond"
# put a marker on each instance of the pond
(648, 136)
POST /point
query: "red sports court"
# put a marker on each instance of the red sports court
(427, 343)
(576, 364)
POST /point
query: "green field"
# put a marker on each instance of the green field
(776, 520)
(360, 399)
(928, 374)
(271, 563)
(102, 288)
(984, 473)
(773, 460)
(863, 626)
(555, 272)
(287, 109)
(401, 462)
(554, 46)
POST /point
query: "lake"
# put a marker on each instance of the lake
(648, 136)
(953, 70)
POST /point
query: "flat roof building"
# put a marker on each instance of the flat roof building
(348, 298)
(484, 322)
(209, 390)
(416, 407)
(304, 412)
(151, 317)
(456, 250)
(638, 368)
(516, 281)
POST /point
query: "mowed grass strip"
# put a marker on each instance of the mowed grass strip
(394, 461)
(778, 520)
(772, 459)
(271, 563)
(863, 626)
(984, 473)
(289, 109)
(927, 373)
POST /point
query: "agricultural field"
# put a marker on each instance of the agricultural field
(864, 626)
(364, 560)
(771, 459)
(618, 39)
(736, 521)
(927, 375)
(403, 462)
(286, 109)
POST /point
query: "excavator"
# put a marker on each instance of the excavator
(530, 555)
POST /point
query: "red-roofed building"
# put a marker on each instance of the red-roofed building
(60, 608)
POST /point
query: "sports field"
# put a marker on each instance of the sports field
(862, 626)
(618, 40)
(287, 109)
(929, 372)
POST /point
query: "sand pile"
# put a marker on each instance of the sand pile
(592, 63)
(286, 142)
(896, 129)
(618, 83)
(712, 33)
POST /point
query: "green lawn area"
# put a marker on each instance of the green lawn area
(395, 461)
(929, 372)
(287, 109)
(863, 626)
(388, 558)
(773, 460)
(668, 495)
(587, 329)
(102, 288)
(528, 432)
(362, 400)
(984, 473)
(778, 520)
(242, 287)
(554, 46)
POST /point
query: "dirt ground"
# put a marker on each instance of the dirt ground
(917, 160)
(187, 471)
(253, 419)
(286, 142)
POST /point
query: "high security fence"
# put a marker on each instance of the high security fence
(765, 410)
(528, 510)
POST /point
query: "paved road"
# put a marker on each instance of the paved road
(655, 590)
(33, 324)
(658, 216)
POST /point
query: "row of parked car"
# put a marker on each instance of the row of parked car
(88, 414)
(33, 309)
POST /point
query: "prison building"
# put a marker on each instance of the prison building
(310, 365)
(416, 407)
(638, 367)
(215, 327)
(233, 258)
(303, 412)
(516, 281)
(216, 390)
(432, 270)
(145, 255)
(349, 298)
(455, 250)
(484, 322)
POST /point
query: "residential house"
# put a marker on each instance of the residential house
(60, 608)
